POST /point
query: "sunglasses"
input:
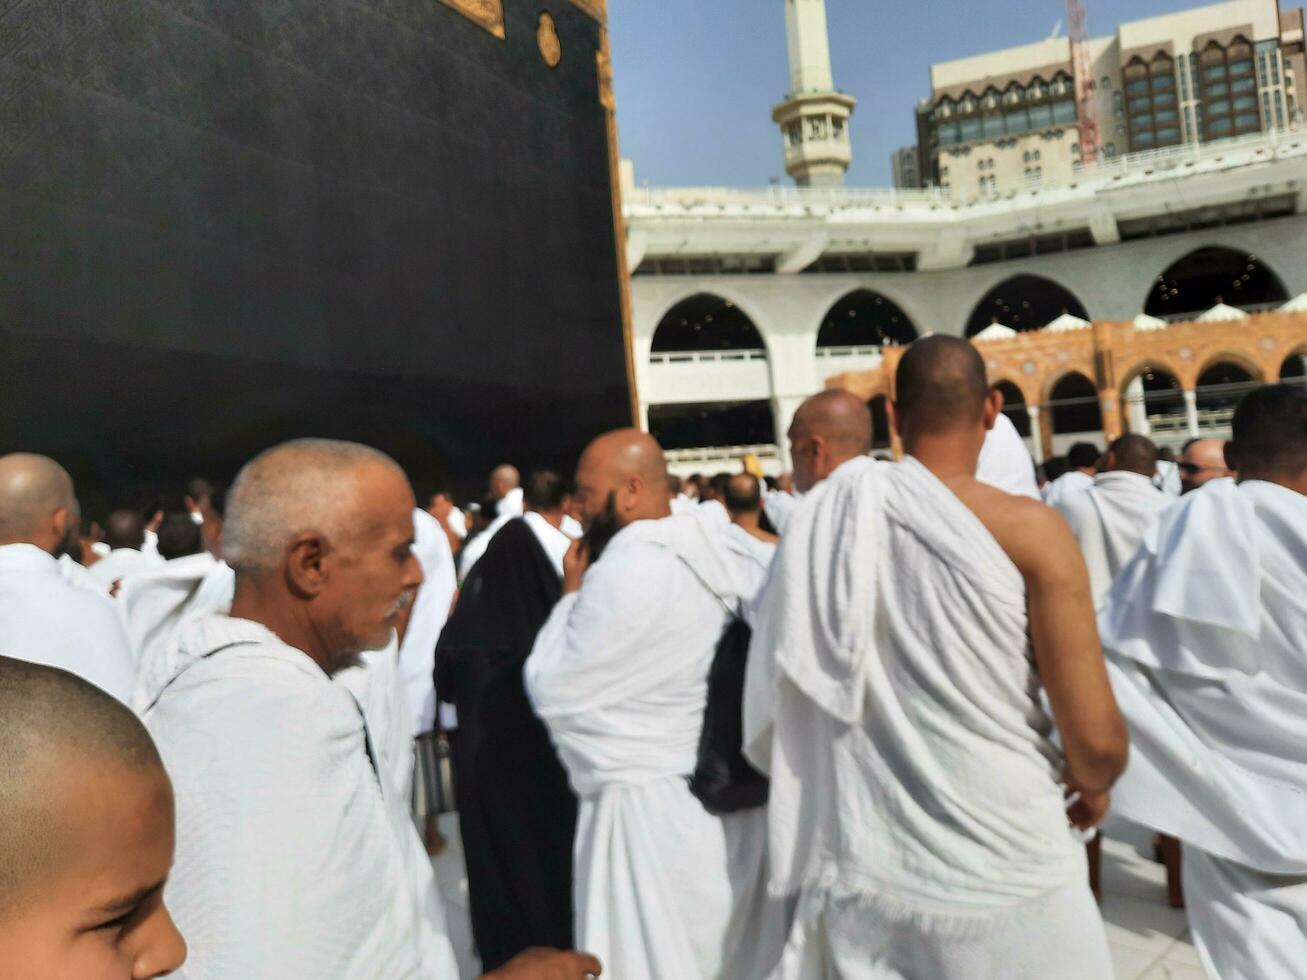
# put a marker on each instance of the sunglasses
(1193, 469)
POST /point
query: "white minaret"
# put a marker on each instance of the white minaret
(814, 118)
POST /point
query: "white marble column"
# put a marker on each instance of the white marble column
(1191, 411)
(1136, 410)
(1036, 434)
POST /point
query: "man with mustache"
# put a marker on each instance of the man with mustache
(619, 675)
(296, 857)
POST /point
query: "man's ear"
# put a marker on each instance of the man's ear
(306, 555)
(60, 521)
(993, 407)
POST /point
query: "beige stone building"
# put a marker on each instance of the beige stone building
(1007, 120)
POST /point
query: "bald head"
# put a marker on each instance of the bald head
(940, 386)
(1203, 460)
(59, 731)
(125, 529)
(504, 479)
(829, 429)
(34, 490)
(838, 416)
(1133, 454)
(621, 478)
(304, 485)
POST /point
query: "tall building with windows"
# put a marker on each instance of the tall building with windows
(1005, 120)
(907, 172)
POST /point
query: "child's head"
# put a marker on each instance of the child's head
(86, 834)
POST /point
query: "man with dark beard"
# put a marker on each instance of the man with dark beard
(517, 814)
(619, 674)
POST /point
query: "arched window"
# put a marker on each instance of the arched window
(1074, 404)
(712, 425)
(706, 323)
(865, 319)
(1214, 275)
(1294, 367)
(1153, 401)
(1024, 303)
(1221, 387)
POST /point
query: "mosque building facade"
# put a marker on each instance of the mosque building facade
(1144, 291)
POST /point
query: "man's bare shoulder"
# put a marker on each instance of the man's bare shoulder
(1032, 533)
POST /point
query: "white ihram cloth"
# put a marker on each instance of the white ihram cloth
(778, 506)
(512, 504)
(45, 619)
(1066, 486)
(1005, 462)
(914, 797)
(1206, 634)
(619, 674)
(474, 549)
(555, 541)
(1109, 520)
(155, 602)
(295, 857)
(121, 563)
(417, 654)
(1168, 478)
(756, 558)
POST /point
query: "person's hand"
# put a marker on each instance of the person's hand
(1086, 809)
(575, 562)
(441, 508)
(548, 964)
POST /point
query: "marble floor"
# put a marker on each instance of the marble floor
(1148, 938)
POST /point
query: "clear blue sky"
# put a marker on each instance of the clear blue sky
(696, 79)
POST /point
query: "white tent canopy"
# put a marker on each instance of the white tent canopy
(1221, 313)
(1296, 305)
(995, 331)
(1146, 321)
(1067, 321)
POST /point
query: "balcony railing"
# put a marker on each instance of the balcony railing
(706, 356)
(824, 353)
(721, 454)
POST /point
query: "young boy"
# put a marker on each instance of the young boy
(86, 834)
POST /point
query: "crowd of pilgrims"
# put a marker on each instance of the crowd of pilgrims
(859, 722)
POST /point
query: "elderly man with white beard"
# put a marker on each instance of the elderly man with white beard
(295, 857)
(1206, 636)
(619, 675)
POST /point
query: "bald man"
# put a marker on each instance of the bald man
(1202, 461)
(893, 694)
(1205, 631)
(506, 491)
(831, 430)
(43, 617)
(619, 675)
(86, 834)
(296, 856)
(1109, 519)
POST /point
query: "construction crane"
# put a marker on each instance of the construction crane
(1083, 70)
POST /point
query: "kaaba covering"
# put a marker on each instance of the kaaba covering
(229, 222)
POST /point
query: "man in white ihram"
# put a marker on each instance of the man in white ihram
(296, 858)
(44, 618)
(1206, 635)
(619, 675)
(893, 694)
(1109, 519)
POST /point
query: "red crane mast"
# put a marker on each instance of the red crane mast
(1083, 70)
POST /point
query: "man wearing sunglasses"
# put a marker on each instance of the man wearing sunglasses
(1202, 460)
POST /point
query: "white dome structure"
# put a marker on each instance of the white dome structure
(1067, 322)
(995, 331)
(1146, 321)
(1222, 313)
